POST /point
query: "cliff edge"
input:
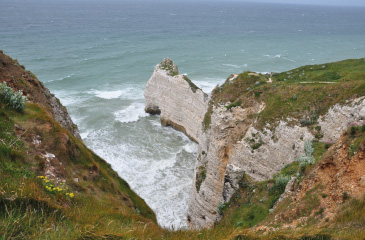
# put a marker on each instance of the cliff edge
(254, 125)
(17, 77)
(51, 185)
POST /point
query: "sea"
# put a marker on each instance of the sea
(96, 56)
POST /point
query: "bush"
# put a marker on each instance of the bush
(221, 206)
(281, 182)
(308, 149)
(13, 99)
(306, 122)
(235, 104)
(308, 158)
(353, 130)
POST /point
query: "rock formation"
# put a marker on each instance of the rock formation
(225, 149)
(179, 102)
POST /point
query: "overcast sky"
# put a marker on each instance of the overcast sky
(309, 2)
(318, 2)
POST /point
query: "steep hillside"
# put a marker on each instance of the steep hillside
(321, 201)
(51, 185)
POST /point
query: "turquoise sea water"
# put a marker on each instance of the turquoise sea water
(97, 56)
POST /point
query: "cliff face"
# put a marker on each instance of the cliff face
(179, 102)
(248, 136)
(339, 176)
(17, 77)
(230, 154)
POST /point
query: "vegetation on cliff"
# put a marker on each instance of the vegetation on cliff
(301, 94)
(33, 144)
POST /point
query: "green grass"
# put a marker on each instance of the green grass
(296, 98)
(102, 203)
(208, 117)
(352, 213)
(191, 84)
(200, 176)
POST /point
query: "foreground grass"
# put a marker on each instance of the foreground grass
(100, 202)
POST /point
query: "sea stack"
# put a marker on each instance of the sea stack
(180, 103)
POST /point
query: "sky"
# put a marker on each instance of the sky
(306, 2)
(317, 2)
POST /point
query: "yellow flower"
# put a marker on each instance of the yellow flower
(47, 181)
(72, 195)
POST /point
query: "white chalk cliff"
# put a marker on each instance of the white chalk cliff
(225, 152)
(179, 102)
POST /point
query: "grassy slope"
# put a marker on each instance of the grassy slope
(299, 94)
(103, 202)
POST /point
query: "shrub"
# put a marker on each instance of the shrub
(328, 144)
(352, 150)
(345, 196)
(353, 130)
(280, 182)
(308, 149)
(256, 145)
(13, 99)
(221, 206)
(235, 104)
(201, 174)
(306, 122)
(308, 158)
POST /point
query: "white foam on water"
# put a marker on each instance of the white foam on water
(126, 93)
(131, 113)
(84, 134)
(150, 175)
(69, 98)
(208, 84)
(108, 94)
(235, 66)
(60, 79)
(191, 147)
(279, 56)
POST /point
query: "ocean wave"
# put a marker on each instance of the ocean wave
(208, 84)
(279, 56)
(191, 147)
(84, 134)
(234, 66)
(127, 93)
(272, 56)
(69, 98)
(131, 113)
(60, 79)
(108, 94)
